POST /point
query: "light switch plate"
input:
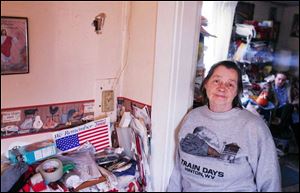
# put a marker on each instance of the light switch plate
(106, 107)
(107, 101)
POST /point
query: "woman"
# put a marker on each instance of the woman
(224, 147)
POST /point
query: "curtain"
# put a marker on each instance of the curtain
(220, 15)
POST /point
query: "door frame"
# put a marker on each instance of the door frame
(177, 37)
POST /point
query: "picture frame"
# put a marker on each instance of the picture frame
(14, 45)
(295, 26)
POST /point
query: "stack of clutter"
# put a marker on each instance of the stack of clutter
(134, 136)
(64, 164)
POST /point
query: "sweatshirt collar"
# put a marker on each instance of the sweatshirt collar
(222, 115)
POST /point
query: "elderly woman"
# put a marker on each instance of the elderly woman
(224, 147)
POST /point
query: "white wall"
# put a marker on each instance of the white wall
(138, 74)
(66, 55)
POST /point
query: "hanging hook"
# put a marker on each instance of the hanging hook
(99, 22)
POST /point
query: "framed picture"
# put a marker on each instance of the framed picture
(14, 45)
(295, 26)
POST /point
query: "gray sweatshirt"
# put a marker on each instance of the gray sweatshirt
(232, 151)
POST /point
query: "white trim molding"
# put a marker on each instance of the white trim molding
(177, 37)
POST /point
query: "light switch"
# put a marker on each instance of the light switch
(107, 101)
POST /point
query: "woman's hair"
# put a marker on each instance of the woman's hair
(230, 65)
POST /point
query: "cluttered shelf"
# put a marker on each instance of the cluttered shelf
(253, 41)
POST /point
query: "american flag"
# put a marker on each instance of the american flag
(97, 134)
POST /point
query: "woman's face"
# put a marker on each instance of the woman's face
(221, 88)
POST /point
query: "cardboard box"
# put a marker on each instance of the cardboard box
(33, 152)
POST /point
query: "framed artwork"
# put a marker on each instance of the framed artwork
(295, 26)
(14, 45)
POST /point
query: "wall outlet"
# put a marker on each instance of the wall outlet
(107, 101)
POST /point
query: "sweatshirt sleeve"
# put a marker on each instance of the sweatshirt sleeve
(264, 161)
(175, 179)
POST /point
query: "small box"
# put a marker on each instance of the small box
(33, 152)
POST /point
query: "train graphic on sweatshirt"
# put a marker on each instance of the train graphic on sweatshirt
(204, 142)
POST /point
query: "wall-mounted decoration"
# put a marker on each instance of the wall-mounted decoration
(14, 45)
(295, 26)
(99, 22)
(45, 118)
